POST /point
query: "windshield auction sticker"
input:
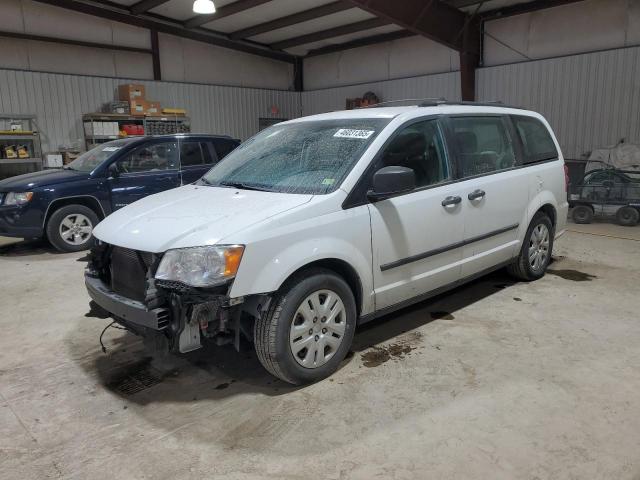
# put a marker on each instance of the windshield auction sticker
(110, 149)
(350, 133)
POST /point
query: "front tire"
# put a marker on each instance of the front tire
(536, 250)
(70, 228)
(308, 329)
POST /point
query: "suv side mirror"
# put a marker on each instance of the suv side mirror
(391, 181)
(114, 172)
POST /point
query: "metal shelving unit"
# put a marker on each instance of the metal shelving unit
(25, 135)
(152, 125)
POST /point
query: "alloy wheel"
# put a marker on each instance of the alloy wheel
(75, 229)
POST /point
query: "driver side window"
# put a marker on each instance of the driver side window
(419, 147)
(150, 158)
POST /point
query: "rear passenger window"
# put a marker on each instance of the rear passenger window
(191, 154)
(484, 145)
(224, 147)
(536, 141)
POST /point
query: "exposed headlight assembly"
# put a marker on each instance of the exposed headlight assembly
(201, 266)
(18, 198)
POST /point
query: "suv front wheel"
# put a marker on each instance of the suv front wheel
(70, 228)
(308, 329)
(536, 250)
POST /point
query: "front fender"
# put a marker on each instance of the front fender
(268, 263)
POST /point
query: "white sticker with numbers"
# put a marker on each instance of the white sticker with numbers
(351, 133)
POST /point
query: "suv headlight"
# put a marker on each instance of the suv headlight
(201, 266)
(18, 198)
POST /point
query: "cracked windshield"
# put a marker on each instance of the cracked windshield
(304, 157)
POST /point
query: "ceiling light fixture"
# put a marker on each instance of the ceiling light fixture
(204, 6)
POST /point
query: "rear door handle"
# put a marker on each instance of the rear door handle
(476, 194)
(451, 200)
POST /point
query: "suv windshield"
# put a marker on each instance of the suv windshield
(88, 161)
(306, 157)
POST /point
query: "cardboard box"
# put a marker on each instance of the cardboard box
(130, 92)
(153, 108)
(138, 107)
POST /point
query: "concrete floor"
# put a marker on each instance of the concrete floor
(495, 380)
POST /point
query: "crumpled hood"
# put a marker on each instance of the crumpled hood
(29, 181)
(191, 216)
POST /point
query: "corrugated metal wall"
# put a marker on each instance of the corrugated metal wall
(591, 100)
(60, 100)
(428, 86)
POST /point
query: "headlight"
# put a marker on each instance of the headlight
(18, 198)
(201, 266)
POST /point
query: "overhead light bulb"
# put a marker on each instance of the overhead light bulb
(204, 7)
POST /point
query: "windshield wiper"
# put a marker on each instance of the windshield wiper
(244, 186)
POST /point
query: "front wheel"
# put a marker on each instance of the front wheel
(535, 253)
(308, 329)
(70, 228)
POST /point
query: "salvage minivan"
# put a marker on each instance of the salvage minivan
(322, 223)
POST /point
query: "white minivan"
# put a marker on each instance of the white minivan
(322, 223)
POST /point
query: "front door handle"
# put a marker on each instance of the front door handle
(476, 194)
(451, 200)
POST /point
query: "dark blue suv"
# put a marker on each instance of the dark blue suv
(65, 205)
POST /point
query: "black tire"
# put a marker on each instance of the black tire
(271, 333)
(582, 214)
(54, 225)
(627, 216)
(522, 268)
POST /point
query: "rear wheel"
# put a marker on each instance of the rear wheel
(536, 250)
(582, 214)
(308, 329)
(627, 216)
(70, 228)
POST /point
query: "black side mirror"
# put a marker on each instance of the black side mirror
(391, 181)
(114, 172)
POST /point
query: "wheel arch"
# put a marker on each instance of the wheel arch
(342, 269)
(84, 200)
(551, 212)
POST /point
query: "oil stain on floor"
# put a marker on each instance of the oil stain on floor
(573, 275)
(395, 351)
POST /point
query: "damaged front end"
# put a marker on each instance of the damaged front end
(170, 315)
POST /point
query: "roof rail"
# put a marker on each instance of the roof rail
(415, 100)
(489, 103)
(435, 102)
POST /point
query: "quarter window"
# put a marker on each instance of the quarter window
(536, 141)
(419, 147)
(190, 154)
(150, 158)
(484, 145)
(224, 147)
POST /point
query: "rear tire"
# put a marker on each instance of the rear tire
(308, 329)
(627, 216)
(70, 228)
(536, 250)
(582, 214)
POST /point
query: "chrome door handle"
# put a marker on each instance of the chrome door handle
(476, 194)
(451, 200)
